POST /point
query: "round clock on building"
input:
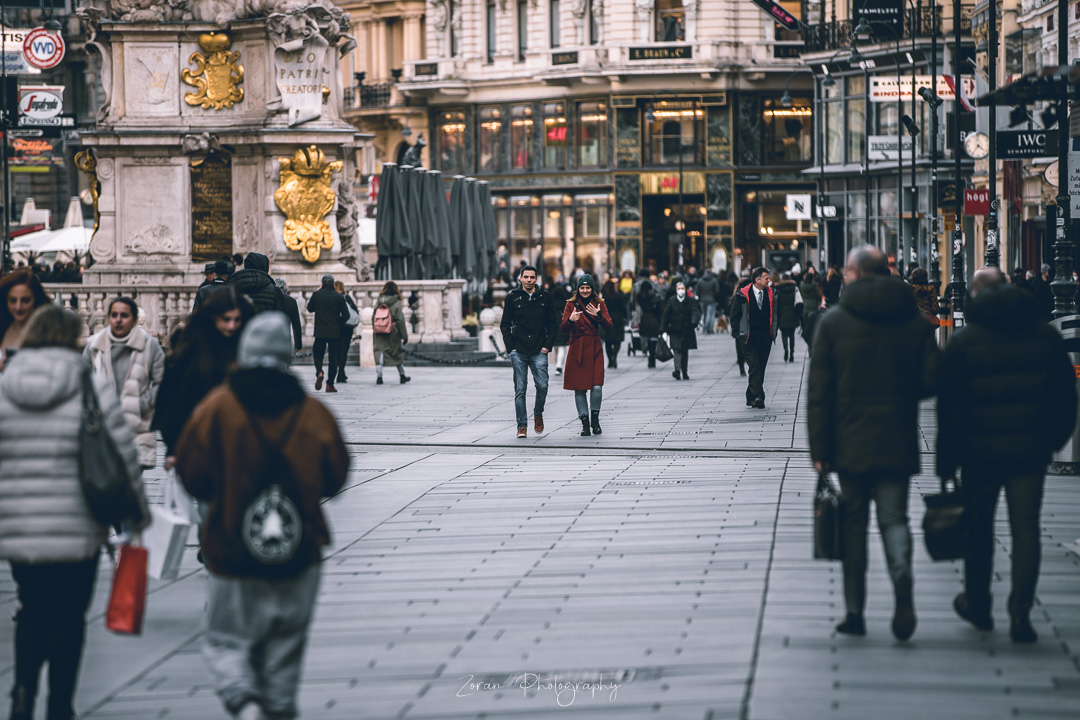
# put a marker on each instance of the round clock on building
(977, 145)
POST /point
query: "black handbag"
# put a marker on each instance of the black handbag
(103, 474)
(943, 524)
(828, 541)
(663, 352)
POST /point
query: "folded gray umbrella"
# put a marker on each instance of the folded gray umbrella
(384, 217)
(490, 233)
(412, 244)
(457, 218)
(467, 224)
(437, 252)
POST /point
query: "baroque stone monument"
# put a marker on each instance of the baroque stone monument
(221, 133)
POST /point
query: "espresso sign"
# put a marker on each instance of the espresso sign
(679, 52)
(564, 58)
(426, 69)
(211, 208)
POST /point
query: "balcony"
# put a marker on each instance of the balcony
(918, 23)
(370, 95)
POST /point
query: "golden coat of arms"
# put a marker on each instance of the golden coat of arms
(306, 197)
(217, 74)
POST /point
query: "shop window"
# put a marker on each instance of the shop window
(670, 21)
(452, 142)
(787, 131)
(491, 144)
(521, 137)
(553, 19)
(888, 119)
(592, 130)
(676, 130)
(556, 135)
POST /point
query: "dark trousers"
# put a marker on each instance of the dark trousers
(740, 352)
(787, 337)
(652, 342)
(612, 353)
(757, 357)
(1023, 497)
(343, 356)
(50, 625)
(680, 359)
(324, 346)
(889, 492)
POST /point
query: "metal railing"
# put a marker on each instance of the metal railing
(918, 23)
(368, 95)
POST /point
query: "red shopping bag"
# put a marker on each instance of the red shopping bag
(127, 603)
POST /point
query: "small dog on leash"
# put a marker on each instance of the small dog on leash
(721, 324)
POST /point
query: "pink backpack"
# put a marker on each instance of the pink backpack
(382, 323)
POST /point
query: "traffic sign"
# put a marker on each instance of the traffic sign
(42, 49)
(779, 14)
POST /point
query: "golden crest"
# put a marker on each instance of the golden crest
(86, 162)
(217, 74)
(306, 197)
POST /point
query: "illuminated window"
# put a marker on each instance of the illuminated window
(677, 129)
(786, 131)
(521, 137)
(491, 144)
(556, 135)
(592, 131)
(452, 142)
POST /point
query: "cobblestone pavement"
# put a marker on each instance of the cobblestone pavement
(661, 570)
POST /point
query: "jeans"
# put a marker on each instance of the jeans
(256, 631)
(757, 358)
(50, 625)
(710, 317)
(890, 494)
(325, 346)
(522, 363)
(380, 357)
(597, 396)
(1023, 497)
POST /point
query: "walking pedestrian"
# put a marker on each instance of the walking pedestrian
(528, 328)
(390, 333)
(255, 282)
(47, 532)
(681, 316)
(208, 275)
(21, 294)
(834, 283)
(583, 317)
(292, 311)
(874, 359)
(261, 455)
(787, 316)
(132, 360)
(754, 313)
(650, 309)
(199, 362)
(221, 276)
(926, 296)
(348, 326)
(810, 291)
(615, 301)
(733, 307)
(1008, 401)
(330, 310)
(708, 289)
(560, 292)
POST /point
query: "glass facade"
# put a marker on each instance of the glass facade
(787, 132)
(491, 134)
(521, 137)
(556, 135)
(592, 127)
(452, 151)
(676, 128)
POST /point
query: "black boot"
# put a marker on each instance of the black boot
(22, 704)
(585, 429)
(596, 423)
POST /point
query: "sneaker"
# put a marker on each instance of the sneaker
(378, 380)
(1020, 630)
(538, 423)
(853, 625)
(523, 432)
(318, 381)
(981, 619)
(330, 388)
(903, 622)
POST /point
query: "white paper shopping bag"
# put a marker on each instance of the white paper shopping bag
(165, 539)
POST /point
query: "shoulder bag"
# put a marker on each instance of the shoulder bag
(943, 524)
(103, 474)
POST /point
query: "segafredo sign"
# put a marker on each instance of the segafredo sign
(39, 104)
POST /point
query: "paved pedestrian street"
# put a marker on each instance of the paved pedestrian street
(661, 570)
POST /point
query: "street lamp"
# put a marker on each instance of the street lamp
(957, 285)
(650, 117)
(931, 99)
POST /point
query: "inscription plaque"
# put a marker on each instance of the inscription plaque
(211, 208)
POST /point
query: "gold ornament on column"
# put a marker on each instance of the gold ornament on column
(217, 74)
(306, 196)
(87, 163)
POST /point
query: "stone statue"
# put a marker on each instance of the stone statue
(578, 8)
(643, 11)
(91, 20)
(414, 153)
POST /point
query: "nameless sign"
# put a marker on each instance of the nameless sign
(426, 69)
(564, 58)
(779, 14)
(826, 211)
(1026, 144)
(976, 201)
(679, 52)
(798, 207)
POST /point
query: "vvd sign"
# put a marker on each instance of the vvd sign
(43, 50)
(41, 102)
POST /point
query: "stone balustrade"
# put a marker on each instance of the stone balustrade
(432, 308)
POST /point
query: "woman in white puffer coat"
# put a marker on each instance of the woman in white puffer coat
(46, 530)
(134, 363)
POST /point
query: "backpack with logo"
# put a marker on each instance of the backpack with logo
(382, 322)
(271, 527)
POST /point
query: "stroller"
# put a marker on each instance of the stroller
(633, 345)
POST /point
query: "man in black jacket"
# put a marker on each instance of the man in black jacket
(330, 310)
(754, 317)
(874, 358)
(528, 329)
(255, 282)
(1008, 401)
(221, 274)
(292, 310)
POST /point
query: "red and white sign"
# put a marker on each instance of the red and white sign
(43, 50)
(977, 201)
(884, 88)
(40, 102)
(373, 188)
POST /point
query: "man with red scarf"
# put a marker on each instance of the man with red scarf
(754, 316)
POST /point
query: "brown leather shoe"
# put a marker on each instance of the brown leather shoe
(331, 388)
(538, 423)
(523, 432)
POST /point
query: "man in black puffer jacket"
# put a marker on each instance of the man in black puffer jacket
(528, 329)
(1008, 401)
(874, 358)
(255, 282)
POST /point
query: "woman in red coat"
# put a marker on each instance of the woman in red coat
(585, 313)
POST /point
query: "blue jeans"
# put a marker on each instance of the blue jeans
(539, 365)
(890, 493)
